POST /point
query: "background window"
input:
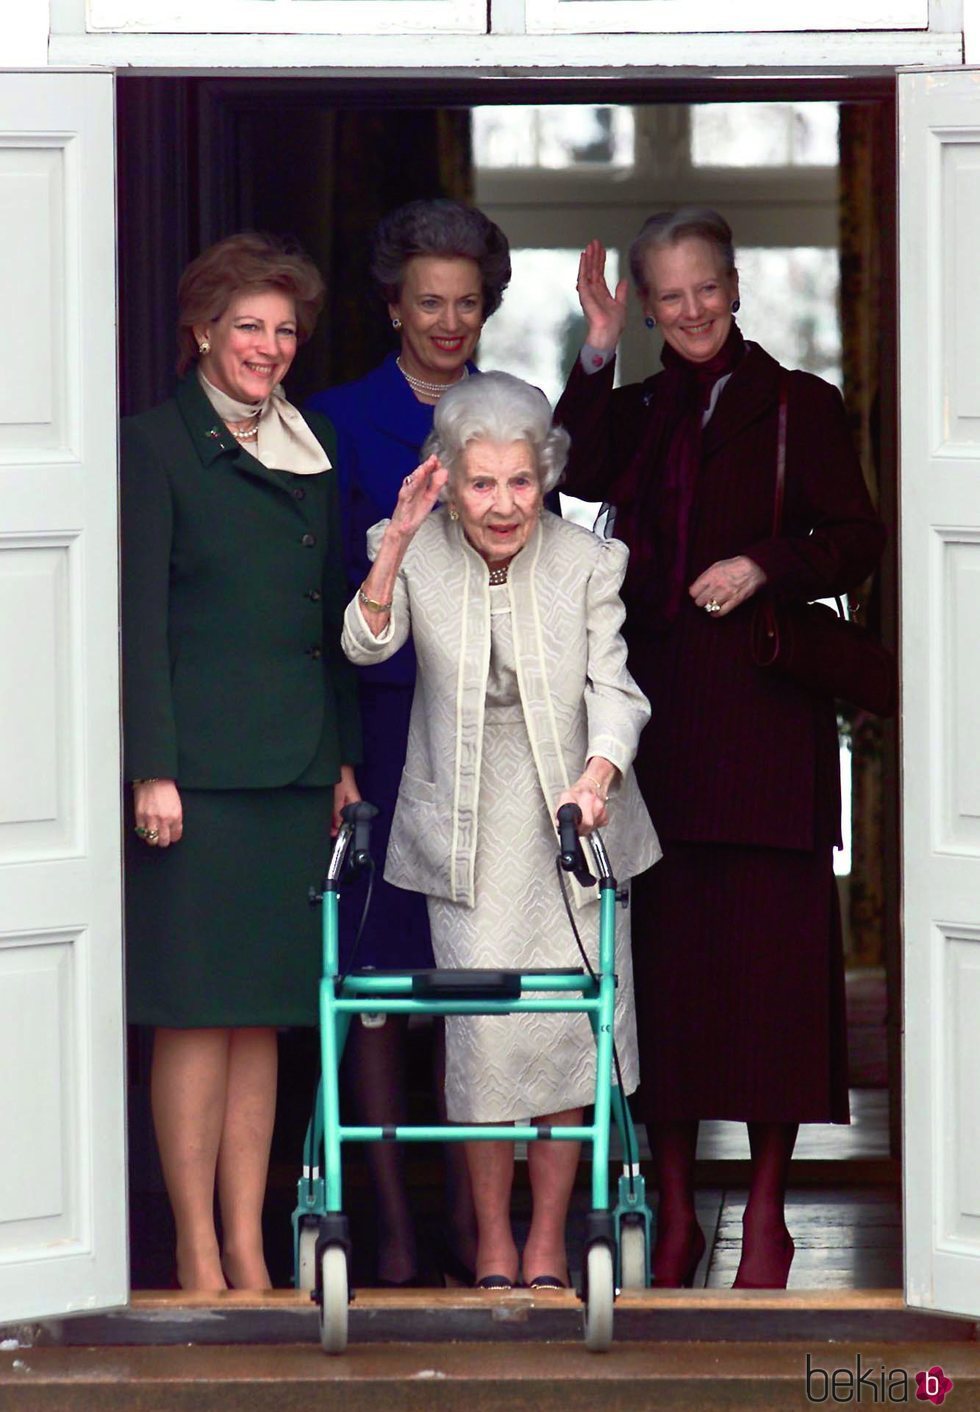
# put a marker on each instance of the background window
(764, 134)
(566, 135)
(538, 330)
(789, 305)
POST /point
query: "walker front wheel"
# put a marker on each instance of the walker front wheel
(599, 1299)
(334, 1299)
(632, 1256)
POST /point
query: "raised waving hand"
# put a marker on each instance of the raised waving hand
(416, 498)
(605, 311)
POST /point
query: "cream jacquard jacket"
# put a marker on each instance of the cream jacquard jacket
(578, 698)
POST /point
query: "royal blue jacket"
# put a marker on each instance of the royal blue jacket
(380, 427)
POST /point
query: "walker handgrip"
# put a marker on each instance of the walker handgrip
(569, 818)
(570, 845)
(359, 816)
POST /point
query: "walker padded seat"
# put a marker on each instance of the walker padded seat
(475, 985)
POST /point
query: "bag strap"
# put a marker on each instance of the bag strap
(777, 508)
(780, 492)
(766, 622)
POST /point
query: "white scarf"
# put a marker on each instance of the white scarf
(284, 442)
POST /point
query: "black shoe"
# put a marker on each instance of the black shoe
(494, 1282)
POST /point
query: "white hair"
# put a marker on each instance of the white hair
(497, 407)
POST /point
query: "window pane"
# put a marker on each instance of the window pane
(764, 134)
(538, 330)
(567, 135)
(790, 306)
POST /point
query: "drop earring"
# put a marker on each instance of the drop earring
(736, 305)
(453, 513)
(650, 321)
(396, 324)
(204, 347)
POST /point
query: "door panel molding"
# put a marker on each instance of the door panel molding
(63, 1226)
(939, 194)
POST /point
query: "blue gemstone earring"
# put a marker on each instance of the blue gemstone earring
(650, 321)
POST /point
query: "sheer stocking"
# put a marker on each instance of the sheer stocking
(374, 1072)
(461, 1237)
(767, 1247)
(680, 1241)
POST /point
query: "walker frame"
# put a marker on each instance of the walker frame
(617, 1243)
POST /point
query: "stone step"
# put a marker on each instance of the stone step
(519, 1316)
(441, 1377)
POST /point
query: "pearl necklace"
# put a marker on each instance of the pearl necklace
(248, 435)
(429, 389)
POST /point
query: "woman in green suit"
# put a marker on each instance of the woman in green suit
(241, 730)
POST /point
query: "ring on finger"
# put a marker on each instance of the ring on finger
(152, 835)
(712, 606)
(140, 831)
(407, 480)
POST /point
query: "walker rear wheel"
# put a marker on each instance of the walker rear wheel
(334, 1298)
(632, 1256)
(599, 1299)
(306, 1258)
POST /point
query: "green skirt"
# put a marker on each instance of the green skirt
(219, 929)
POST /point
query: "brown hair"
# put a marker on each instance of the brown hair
(245, 261)
(669, 227)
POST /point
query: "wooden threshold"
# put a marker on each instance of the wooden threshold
(518, 1316)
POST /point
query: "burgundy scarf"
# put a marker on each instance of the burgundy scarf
(653, 496)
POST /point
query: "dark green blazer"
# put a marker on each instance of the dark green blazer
(233, 592)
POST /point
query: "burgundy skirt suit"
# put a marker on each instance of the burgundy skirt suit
(737, 940)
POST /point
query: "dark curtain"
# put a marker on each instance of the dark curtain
(157, 219)
(861, 201)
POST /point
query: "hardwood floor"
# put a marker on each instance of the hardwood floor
(848, 1233)
(845, 1239)
(865, 1138)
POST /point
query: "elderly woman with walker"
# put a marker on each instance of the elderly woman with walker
(522, 702)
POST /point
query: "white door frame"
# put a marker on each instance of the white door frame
(921, 1288)
(939, 211)
(63, 1226)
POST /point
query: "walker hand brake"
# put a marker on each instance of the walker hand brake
(570, 845)
(359, 816)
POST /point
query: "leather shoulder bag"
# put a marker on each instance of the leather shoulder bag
(811, 644)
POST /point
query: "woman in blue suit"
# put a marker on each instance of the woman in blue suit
(441, 268)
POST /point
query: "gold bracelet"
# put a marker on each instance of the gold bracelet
(150, 779)
(370, 603)
(596, 787)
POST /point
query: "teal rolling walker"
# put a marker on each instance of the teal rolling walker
(617, 1240)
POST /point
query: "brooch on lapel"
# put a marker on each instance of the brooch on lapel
(214, 433)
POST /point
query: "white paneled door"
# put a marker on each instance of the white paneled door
(62, 1140)
(939, 118)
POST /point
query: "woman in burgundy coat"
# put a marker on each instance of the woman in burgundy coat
(737, 939)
